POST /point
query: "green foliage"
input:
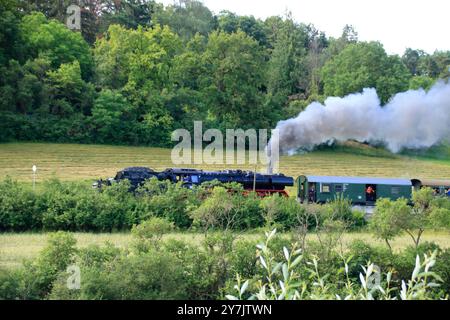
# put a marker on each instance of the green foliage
(169, 201)
(364, 65)
(9, 284)
(17, 208)
(111, 115)
(68, 92)
(388, 218)
(186, 20)
(200, 279)
(138, 70)
(52, 40)
(152, 276)
(233, 80)
(243, 261)
(275, 269)
(281, 212)
(35, 280)
(282, 280)
(421, 82)
(227, 210)
(148, 234)
(74, 206)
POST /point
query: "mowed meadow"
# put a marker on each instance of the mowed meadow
(87, 162)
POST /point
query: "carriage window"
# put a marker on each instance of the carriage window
(395, 190)
(325, 188)
(338, 188)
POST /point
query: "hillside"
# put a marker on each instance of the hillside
(87, 162)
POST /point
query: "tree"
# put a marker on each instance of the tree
(393, 217)
(52, 9)
(389, 218)
(233, 83)
(187, 18)
(364, 65)
(23, 88)
(135, 57)
(69, 94)
(411, 58)
(52, 40)
(421, 82)
(112, 116)
(436, 65)
(138, 63)
(231, 23)
(127, 13)
(10, 44)
(421, 214)
(286, 71)
(149, 233)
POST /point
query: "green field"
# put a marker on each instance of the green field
(87, 162)
(15, 247)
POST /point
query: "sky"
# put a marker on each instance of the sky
(397, 24)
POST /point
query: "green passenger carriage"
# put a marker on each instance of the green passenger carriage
(360, 191)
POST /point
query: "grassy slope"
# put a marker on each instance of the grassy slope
(14, 247)
(87, 162)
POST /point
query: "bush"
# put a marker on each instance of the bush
(18, 210)
(167, 200)
(201, 279)
(73, 206)
(154, 275)
(281, 279)
(243, 261)
(36, 278)
(148, 234)
(281, 212)
(225, 210)
(9, 284)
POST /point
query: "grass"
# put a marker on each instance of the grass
(88, 162)
(15, 247)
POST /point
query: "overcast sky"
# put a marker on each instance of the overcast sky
(398, 24)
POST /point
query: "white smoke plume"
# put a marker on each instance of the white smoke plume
(414, 119)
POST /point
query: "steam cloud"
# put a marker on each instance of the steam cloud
(413, 119)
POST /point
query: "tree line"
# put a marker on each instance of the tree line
(137, 70)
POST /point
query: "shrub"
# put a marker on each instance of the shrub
(242, 260)
(199, 269)
(9, 284)
(154, 275)
(167, 200)
(281, 281)
(388, 218)
(17, 207)
(227, 210)
(281, 212)
(148, 234)
(36, 278)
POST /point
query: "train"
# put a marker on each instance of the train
(262, 184)
(361, 191)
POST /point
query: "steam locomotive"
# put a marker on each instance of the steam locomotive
(262, 184)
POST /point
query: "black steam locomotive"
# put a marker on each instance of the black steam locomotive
(262, 184)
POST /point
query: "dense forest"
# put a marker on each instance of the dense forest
(138, 70)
